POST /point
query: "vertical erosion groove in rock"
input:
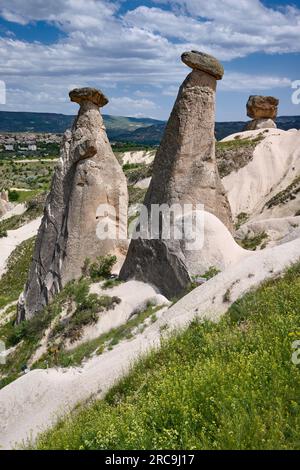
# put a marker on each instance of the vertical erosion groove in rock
(88, 175)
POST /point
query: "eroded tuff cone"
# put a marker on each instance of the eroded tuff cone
(4, 196)
(262, 107)
(2, 208)
(260, 124)
(4, 203)
(87, 176)
(185, 172)
(203, 62)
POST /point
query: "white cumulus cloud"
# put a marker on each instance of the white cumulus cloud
(141, 48)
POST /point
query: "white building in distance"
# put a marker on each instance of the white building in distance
(32, 146)
(9, 147)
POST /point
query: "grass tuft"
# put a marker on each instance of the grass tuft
(13, 280)
(252, 243)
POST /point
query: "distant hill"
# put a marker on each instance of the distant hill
(58, 123)
(223, 129)
(123, 129)
(288, 122)
(34, 122)
(150, 135)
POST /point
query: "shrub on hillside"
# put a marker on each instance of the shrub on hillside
(13, 196)
(100, 269)
(3, 233)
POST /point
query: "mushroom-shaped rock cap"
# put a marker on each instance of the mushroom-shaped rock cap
(204, 62)
(80, 95)
(262, 107)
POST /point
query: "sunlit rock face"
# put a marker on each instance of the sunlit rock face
(263, 111)
(87, 177)
(184, 172)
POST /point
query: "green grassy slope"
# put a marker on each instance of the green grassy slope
(34, 176)
(58, 123)
(13, 280)
(231, 385)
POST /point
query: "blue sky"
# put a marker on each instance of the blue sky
(131, 50)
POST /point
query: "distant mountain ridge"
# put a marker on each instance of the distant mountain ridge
(119, 128)
(57, 123)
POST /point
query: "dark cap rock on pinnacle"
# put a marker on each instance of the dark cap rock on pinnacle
(262, 107)
(204, 62)
(80, 95)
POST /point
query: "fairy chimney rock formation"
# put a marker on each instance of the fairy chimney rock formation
(263, 112)
(184, 172)
(4, 203)
(87, 181)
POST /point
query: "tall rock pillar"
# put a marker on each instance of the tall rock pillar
(87, 178)
(185, 172)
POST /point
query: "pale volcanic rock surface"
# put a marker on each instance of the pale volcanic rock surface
(87, 177)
